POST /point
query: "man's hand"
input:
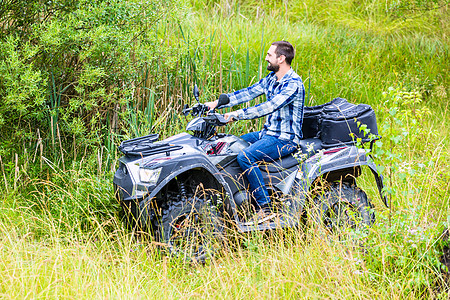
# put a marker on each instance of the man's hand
(231, 116)
(211, 105)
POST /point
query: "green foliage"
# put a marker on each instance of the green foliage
(404, 127)
(88, 71)
(21, 85)
(403, 251)
(71, 202)
(404, 7)
(393, 17)
(75, 66)
(77, 77)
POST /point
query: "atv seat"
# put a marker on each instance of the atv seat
(310, 146)
(307, 146)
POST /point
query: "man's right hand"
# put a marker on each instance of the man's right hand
(211, 105)
(231, 116)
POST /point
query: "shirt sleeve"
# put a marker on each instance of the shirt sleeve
(246, 94)
(287, 94)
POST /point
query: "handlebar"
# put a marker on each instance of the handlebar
(201, 110)
(216, 119)
(197, 110)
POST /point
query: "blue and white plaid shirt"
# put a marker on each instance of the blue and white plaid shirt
(283, 108)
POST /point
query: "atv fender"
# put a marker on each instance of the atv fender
(182, 167)
(349, 164)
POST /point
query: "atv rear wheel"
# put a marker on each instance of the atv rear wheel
(193, 228)
(343, 206)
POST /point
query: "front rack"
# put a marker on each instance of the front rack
(143, 146)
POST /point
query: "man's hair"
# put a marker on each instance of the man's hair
(286, 49)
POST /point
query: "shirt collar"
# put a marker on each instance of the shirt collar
(287, 75)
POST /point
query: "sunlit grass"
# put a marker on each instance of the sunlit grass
(291, 264)
(60, 236)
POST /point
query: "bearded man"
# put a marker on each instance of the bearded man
(282, 131)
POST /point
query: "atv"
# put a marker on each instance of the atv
(186, 189)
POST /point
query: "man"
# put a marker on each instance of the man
(285, 97)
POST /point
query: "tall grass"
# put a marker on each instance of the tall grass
(290, 264)
(59, 233)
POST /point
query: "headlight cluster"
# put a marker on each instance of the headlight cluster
(150, 176)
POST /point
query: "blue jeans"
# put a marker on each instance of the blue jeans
(268, 149)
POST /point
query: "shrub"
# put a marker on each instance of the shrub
(68, 68)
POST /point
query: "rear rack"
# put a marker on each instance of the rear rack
(143, 146)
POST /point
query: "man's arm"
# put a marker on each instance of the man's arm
(247, 94)
(288, 92)
(243, 95)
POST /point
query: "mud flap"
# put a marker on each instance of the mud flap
(379, 181)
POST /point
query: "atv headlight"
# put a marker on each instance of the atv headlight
(149, 175)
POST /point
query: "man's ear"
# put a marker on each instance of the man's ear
(281, 59)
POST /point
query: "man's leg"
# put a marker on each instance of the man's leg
(251, 137)
(268, 148)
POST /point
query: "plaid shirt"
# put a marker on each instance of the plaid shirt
(283, 108)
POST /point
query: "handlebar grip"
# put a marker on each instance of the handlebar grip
(223, 100)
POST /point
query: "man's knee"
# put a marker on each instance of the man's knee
(245, 159)
(241, 158)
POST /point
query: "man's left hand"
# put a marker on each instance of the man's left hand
(211, 105)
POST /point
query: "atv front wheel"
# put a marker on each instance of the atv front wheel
(343, 206)
(193, 228)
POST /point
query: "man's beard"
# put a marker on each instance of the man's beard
(274, 68)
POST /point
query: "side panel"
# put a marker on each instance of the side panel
(232, 174)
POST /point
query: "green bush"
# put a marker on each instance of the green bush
(70, 68)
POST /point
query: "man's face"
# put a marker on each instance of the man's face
(272, 59)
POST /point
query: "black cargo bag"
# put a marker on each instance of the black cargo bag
(312, 116)
(344, 126)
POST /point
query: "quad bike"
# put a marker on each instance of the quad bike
(185, 190)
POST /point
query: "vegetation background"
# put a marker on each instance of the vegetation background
(77, 77)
